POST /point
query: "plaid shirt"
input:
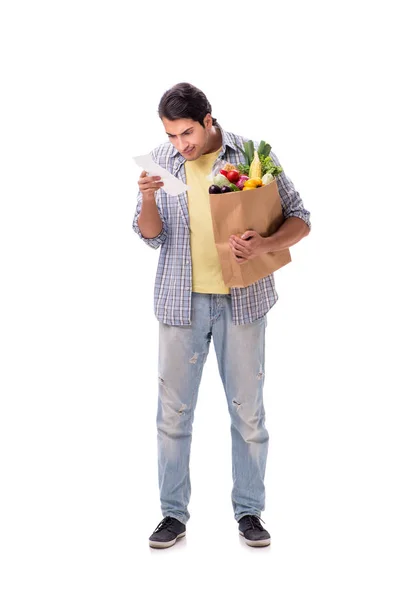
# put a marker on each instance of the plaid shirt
(173, 283)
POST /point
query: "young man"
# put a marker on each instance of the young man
(193, 306)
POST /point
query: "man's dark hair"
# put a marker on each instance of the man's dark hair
(184, 101)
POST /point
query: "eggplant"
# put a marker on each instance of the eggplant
(214, 189)
(225, 189)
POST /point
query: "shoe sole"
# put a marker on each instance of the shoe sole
(166, 544)
(256, 543)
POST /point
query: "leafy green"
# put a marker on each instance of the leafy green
(248, 151)
(263, 148)
(245, 152)
(268, 166)
(251, 150)
(243, 169)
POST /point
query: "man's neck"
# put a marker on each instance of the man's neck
(215, 140)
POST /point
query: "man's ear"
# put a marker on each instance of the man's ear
(208, 121)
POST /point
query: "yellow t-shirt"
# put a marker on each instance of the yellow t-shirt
(207, 274)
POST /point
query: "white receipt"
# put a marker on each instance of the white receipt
(172, 185)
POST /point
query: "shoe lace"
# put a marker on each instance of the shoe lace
(255, 522)
(164, 524)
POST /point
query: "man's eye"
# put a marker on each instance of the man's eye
(185, 133)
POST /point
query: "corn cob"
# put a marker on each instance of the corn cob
(255, 167)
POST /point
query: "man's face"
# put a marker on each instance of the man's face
(188, 136)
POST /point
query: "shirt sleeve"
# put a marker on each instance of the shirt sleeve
(292, 204)
(162, 236)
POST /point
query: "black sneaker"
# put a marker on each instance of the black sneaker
(167, 532)
(253, 532)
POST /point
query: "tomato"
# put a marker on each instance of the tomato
(233, 176)
(223, 172)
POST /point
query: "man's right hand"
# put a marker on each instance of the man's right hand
(149, 185)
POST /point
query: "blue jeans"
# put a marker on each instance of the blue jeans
(240, 352)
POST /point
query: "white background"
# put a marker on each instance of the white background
(81, 84)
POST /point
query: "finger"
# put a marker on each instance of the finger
(151, 187)
(234, 251)
(149, 183)
(248, 234)
(238, 254)
(238, 240)
(234, 248)
(239, 245)
(150, 179)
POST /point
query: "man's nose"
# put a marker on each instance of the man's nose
(182, 144)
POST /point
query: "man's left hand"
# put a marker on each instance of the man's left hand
(250, 245)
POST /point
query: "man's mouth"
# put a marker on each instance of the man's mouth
(189, 151)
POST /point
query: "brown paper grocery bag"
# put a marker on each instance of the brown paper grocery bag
(236, 212)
